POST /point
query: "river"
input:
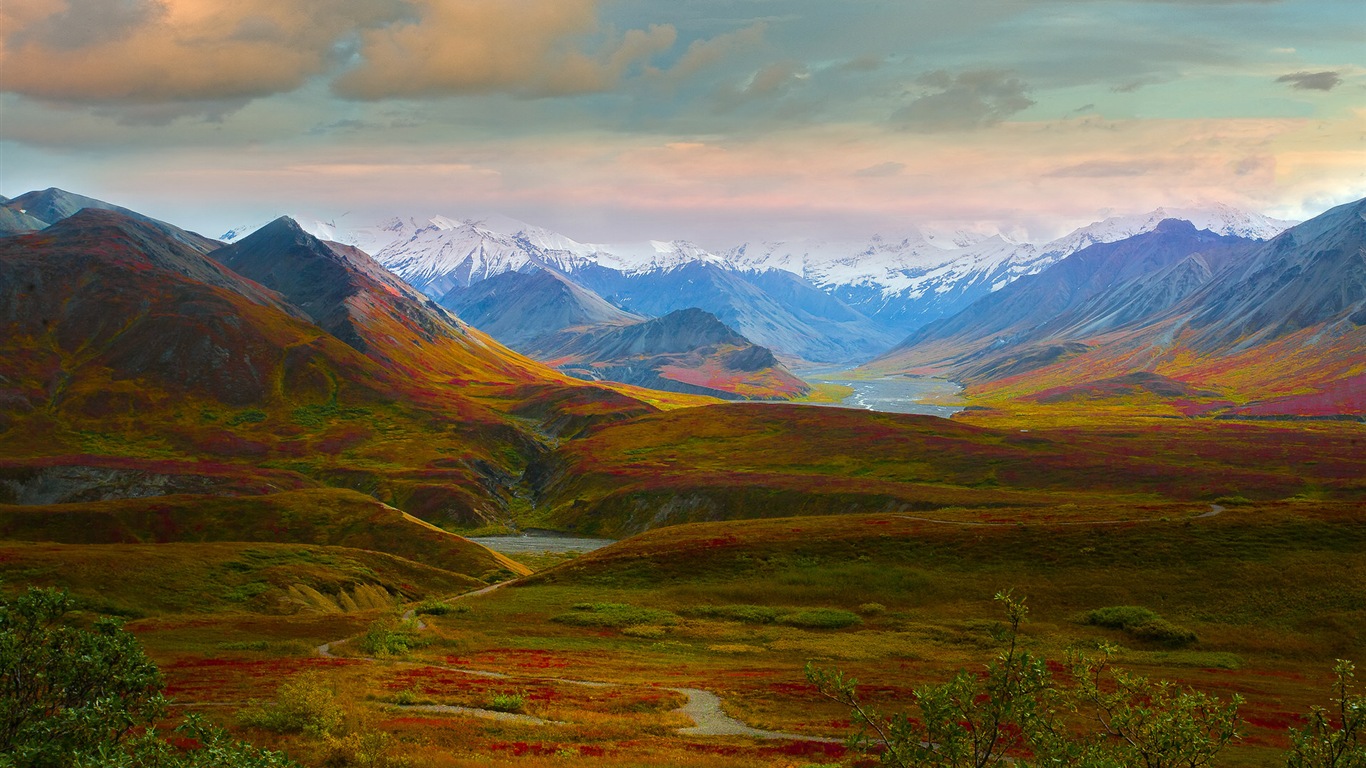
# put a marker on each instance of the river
(893, 394)
(538, 541)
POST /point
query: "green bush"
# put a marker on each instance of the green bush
(872, 609)
(68, 691)
(1141, 624)
(809, 618)
(302, 705)
(434, 608)
(820, 618)
(386, 638)
(749, 614)
(507, 702)
(615, 615)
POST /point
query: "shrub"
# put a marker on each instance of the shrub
(1141, 624)
(749, 614)
(809, 618)
(872, 609)
(302, 705)
(385, 638)
(820, 618)
(646, 631)
(507, 702)
(434, 608)
(615, 615)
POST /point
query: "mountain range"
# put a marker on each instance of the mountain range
(1278, 327)
(822, 302)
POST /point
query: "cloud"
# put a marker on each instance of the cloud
(968, 100)
(1312, 81)
(161, 51)
(112, 52)
(709, 52)
(530, 47)
(881, 170)
(1105, 169)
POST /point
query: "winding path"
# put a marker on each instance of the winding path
(702, 707)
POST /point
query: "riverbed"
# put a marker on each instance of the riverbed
(541, 542)
(894, 394)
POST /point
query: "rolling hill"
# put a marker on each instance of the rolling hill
(686, 351)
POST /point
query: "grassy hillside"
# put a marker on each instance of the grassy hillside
(223, 578)
(314, 517)
(745, 461)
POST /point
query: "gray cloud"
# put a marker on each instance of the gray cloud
(974, 99)
(1312, 81)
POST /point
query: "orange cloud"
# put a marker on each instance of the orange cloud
(156, 51)
(475, 46)
(174, 50)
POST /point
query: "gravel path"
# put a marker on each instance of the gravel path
(704, 707)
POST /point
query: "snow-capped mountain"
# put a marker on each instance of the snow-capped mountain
(1218, 218)
(889, 285)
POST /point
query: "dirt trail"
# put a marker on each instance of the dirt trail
(702, 707)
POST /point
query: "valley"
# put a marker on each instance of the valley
(311, 490)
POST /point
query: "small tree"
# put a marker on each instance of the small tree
(1152, 724)
(1333, 738)
(972, 721)
(66, 691)
(87, 698)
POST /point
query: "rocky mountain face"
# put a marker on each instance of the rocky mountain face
(688, 351)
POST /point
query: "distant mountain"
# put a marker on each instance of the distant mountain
(874, 292)
(36, 210)
(518, 307)
(1277, 326)
(688, 351)
(909, 281)
(986, 339)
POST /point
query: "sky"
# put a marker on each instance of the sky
(709, 120)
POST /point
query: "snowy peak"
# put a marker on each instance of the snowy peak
(1218, 218)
